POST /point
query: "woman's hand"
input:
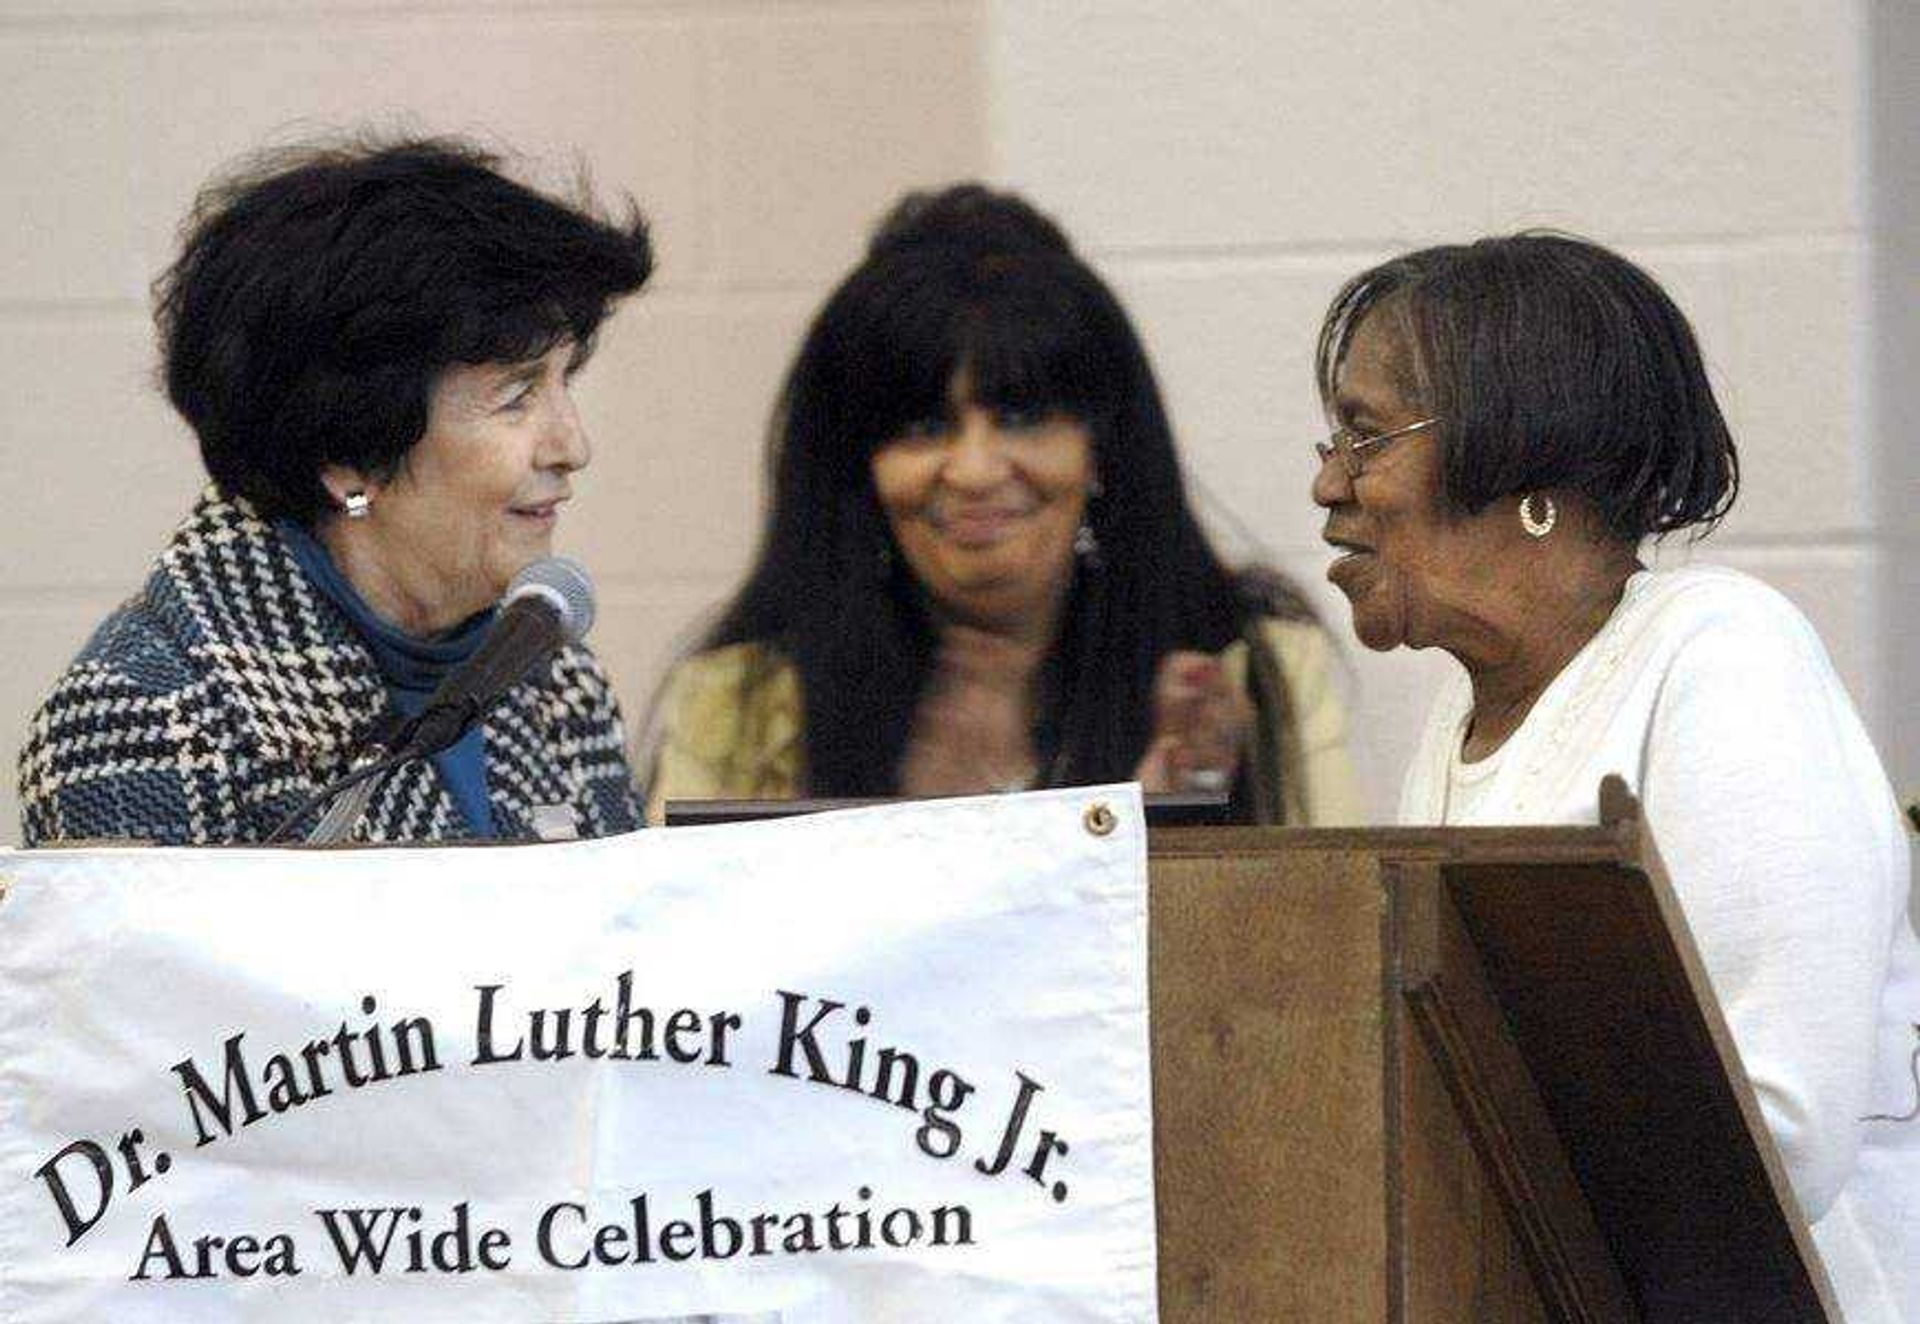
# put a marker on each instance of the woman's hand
(973, 730)
(1200, 720)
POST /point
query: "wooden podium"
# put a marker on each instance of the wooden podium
(1465, 1075)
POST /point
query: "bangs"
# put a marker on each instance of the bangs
(525, 331)
(1018, 328)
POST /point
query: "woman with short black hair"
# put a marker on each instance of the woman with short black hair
(979, 569)
(373, 344)
(1514, 418)
(1508, 332)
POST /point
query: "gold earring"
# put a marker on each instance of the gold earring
(1541, 527)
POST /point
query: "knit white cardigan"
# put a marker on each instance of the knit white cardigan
(1712, 696)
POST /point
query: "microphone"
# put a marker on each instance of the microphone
(549, 604)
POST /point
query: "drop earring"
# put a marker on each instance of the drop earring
(1086, 545)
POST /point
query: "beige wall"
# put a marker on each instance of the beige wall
(1230, 164)
(762, 138)
(1893, 180)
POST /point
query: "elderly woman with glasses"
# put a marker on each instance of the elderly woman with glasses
(1517, 417)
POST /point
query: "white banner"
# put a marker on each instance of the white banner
(888, 1064)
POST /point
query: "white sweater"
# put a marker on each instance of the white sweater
(1712, 696)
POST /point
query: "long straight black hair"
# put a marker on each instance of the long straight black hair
(971, 281)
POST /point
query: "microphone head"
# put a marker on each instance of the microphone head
(563, 582)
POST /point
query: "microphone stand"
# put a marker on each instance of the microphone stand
(337, 824)
(547, 604)
(346, 798)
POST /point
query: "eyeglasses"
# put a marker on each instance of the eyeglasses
(1352, 450)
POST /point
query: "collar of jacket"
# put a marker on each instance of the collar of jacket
(298, 677)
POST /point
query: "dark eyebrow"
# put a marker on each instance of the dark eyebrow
(1350, 408)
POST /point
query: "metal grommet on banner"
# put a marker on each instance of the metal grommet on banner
(1099, 819)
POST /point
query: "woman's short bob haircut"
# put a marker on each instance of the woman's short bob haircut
(1553, 365)
(321, 292)
(971, 293)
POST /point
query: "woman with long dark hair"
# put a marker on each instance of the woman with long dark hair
(980, 570)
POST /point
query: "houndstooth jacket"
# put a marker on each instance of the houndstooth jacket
(227, 691)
